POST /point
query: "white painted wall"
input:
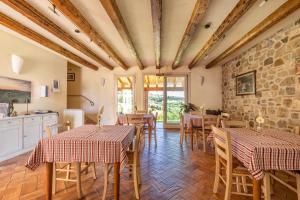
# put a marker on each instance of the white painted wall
(40, 67)
(209, 94)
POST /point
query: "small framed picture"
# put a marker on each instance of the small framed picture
(246, 83)
(56, 86)
(71, 76)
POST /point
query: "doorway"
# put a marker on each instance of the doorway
(165, 95)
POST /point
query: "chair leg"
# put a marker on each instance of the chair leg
(228, 185)
(78, 180)
(298, 185)
(105, 174)
(155, 135)
(181, 135)
(244, 182)
(267, 186)
(135, 180)
(87, 169)
(94, 171)
(54, 179)
(204, 142)
(217, 178)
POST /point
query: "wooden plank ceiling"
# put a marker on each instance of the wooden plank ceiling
(143, 33)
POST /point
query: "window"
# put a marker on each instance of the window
(125, 94)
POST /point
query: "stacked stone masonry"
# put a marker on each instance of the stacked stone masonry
(276, 61)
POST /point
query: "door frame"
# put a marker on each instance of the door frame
(186, 93)
(116, 76)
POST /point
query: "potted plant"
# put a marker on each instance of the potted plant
(186, 108)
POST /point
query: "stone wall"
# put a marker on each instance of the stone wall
(276, 61)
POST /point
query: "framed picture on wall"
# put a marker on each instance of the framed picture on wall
(55, 86)
(71, 76)
(246, 83)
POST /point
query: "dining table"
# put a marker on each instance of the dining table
(85, 144)
(197, 119)
(265, 150)
(148, 118)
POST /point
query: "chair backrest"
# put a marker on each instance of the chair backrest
(99, 114)
(135, 119)
(209, 121)
(138, 136)
(196, 113)
(66, 126)
(234, 124)
(141, 112)
(223, 150)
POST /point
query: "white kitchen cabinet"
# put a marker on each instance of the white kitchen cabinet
(20, 134)
(32, 131)
(10, 137)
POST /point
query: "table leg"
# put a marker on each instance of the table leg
(256, 189)
(117, 180)
(149, 132)
(49, 171)
(78, 179)
(192, 138)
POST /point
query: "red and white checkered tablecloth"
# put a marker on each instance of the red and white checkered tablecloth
(149, 118)
(197, 119)
(268, 150)
(88, 143)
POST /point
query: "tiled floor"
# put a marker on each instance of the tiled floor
(168, 172)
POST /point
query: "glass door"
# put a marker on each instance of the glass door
(164, 95)
(174, 96)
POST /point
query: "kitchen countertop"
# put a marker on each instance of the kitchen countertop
(25, 116)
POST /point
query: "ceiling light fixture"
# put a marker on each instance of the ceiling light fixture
(53, 9)
(207, 25)
(262, 3)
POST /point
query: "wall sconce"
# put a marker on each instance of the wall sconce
(16, 63)
(102, 82)
(201, 80)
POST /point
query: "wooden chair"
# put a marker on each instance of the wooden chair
(99, 115)
(68, 168)
(196, 113)
(234, 124)
(184, 131)
(205, 129)
(133, 163)
(135, 119)
(287, 178)
(141, 112)
(224, 164)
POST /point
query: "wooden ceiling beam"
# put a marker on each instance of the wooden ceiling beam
(114, 13)
(35, 16)
(156, 10)
(283, 11)
(236, 13)
(197, 16)
(73, 14)
(28, 33)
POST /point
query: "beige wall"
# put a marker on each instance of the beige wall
(209, 94)
(40, 67)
